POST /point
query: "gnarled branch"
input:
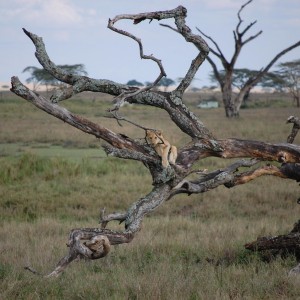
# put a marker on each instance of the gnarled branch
(94, 243)
(104, 219)
(295, 129)
(90, 243)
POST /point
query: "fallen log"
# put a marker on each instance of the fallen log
(281, 244)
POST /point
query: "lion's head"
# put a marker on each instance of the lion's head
(154, 137)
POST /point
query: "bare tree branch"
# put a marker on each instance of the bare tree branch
(167, 180)
(232, 104)
(238, 35)
(121, 118)
(217, 53)
(79, 83)
(186, 81)
(216, 71)
(200, 44)
(74, 120)
(169, 26)
(295, 129)
(172, 103)
(104, 219)
(239, 13)
(137, 18)
(252, 37)
(230, 177)
(209, 181)
(255, 79)
(272, 62)
(236, 148)
(97, 244)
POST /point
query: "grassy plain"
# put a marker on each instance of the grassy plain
(54, 178)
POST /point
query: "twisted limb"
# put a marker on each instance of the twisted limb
(87, 243)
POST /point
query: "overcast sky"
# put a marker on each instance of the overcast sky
(75, 31)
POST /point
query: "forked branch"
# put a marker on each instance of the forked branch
(104, 219)
(239, 34)
(120, 99)
(168, 180)
(230, 176)
(89, 243)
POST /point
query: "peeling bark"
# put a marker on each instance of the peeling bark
(94, 243)
(295, 129)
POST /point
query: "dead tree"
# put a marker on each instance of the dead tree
(287, 243)
(94, 243)
(232, 105)
(280, 245)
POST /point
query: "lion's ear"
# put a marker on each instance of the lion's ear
(159, 132)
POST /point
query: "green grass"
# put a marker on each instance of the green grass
(34, 186)
(68, 151)
(54, 178)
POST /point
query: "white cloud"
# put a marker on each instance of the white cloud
(56, 12)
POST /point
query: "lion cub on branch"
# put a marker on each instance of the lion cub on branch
(163, 148)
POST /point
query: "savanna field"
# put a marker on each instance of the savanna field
(54, 178)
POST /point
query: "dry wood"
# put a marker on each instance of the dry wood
(281, 244)
(94, 243)
(295, 129)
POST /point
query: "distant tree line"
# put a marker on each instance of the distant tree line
(285, 78)
(164, 82)
(39, 76)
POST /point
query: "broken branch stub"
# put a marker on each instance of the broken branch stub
(295, 128)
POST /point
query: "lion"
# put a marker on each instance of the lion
(163, 148)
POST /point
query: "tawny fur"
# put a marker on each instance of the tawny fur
(163, 148)
(99, 245)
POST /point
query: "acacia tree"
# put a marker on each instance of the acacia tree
(289, 73)
(232, 104)
(134, 82)
(285, 79)
(272, 80)
(94, 243)
(42, 76)
(166, 82)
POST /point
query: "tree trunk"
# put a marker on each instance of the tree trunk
(297, 99)
(227, 98)
(244, 92)
(232, 108)
(94, 243)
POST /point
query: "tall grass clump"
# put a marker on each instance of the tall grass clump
(29, 165)
(32, 186)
